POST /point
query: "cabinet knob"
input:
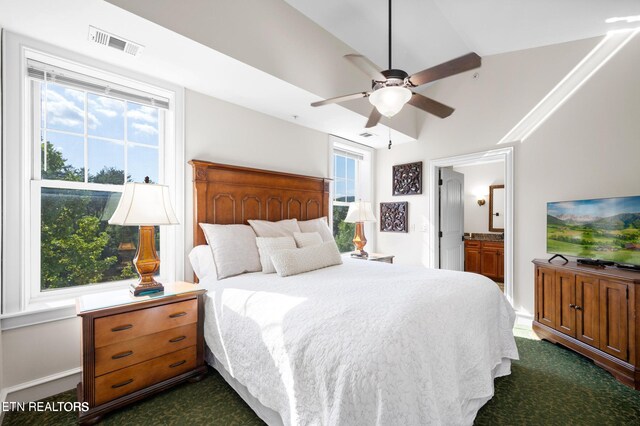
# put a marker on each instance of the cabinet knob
(579, 308)
(571, 305)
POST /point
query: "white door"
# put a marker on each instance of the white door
(451, 220)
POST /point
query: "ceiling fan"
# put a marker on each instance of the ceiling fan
(392, 88)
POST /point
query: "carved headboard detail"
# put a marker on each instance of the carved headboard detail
(226, 194)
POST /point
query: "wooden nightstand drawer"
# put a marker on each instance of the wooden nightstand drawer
(116, 328)
(123, 354)
(130, 379)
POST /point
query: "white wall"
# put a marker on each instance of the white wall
(589, 148)
(477, 179)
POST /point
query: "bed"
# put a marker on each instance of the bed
(357, 343)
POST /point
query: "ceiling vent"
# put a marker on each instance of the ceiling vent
(366, 134)
(106, 39)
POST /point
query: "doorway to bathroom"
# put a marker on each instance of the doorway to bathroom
(471, 206)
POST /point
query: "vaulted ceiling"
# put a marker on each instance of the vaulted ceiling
(277, 56)
(428, 32)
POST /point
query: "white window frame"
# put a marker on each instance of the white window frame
(21, 170)
(364, 180)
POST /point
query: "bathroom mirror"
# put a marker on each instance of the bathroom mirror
(496, 208)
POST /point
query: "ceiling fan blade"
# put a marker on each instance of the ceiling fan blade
(430, 106)
(341, 99)
(366, 66)
(374, 118)
(446, 69)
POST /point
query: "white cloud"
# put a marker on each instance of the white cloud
(63, 111)
(145, 128)
(143, 113)
(106, 106)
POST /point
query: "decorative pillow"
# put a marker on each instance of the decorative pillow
(268, 246)
(293, 262)
(202, 262)
(317, 225)
(234, 249)
(283, 228)
(307, 239)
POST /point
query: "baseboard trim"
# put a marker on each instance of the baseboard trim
(524, 320)
(42, 387)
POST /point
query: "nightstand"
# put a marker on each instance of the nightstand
(376, 257)
(133, 347)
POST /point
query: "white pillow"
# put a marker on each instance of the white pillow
(234, 249)
(307, 239)
(283, 228)
(317, 225)
(293, 262)
(268, 246)
(201, 259)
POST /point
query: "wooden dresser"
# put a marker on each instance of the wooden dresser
(593, 311)
(485, 258)
(133, 347)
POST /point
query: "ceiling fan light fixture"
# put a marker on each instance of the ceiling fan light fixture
(390, 100)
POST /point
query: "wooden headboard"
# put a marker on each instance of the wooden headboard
(224, 194)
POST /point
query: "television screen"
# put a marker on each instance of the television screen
(604, 229)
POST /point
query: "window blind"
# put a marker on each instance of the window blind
(40, 71)
(348, 154)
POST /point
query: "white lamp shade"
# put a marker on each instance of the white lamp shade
(360, 211)
(390, 100)
(144, 204)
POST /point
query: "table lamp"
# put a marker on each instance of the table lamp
(145, 205)
(360, 212)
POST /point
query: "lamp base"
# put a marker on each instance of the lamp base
(145, 289)
(147, 263)
(359, 240)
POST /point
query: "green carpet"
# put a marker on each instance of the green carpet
(549, 386)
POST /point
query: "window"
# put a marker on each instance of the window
(89, 138)
(347, 188)
(74, 129)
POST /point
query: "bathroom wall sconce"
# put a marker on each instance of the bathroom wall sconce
(481, 201)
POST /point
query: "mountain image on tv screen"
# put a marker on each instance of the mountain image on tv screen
(605, 229)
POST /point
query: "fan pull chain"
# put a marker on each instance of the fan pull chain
(389, 147)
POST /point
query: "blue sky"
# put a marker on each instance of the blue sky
(345, 176)
(603, 207)
(65, 112)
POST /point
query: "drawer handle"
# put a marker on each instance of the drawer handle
(176, 364)
(176, 315)
(177, 339)
(122, 327)
(119, 385)
(122, 355)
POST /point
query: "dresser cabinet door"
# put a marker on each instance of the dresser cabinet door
(546, 293)
(587, 310)
(565, 303)
(613, 319)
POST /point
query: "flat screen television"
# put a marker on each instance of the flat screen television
(604, 229)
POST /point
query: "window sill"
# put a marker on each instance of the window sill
(39, 314)
(54, 307)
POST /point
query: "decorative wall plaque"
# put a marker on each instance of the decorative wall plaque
(393, 217)
(407, 179)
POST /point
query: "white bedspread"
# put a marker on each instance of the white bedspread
(363, 343)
